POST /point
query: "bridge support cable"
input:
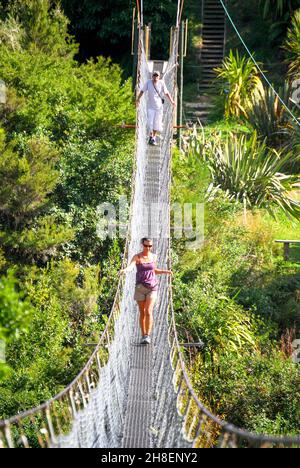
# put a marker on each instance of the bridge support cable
(295, 119)
(128, 396)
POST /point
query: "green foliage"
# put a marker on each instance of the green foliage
(64, 318)
(238, 297)
(257, 392)
(264, 36)
(14, 310)
(293, 145)
(107, 26)
(292, 46)
(249, 173)
(277, 8)
(62, 154)
(27, 179)
(269, 117)
(40, 242)
(37, 25)
(15, 315)
(240, 81)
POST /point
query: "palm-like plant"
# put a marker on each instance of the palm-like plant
(240, 82)
(292, 46)
(269, 117)
(276, 8)
(249, 173)
(293, 146)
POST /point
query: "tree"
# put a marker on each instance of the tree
(106, 26)
(61, 154)
(15, 314)
(26, 179)
(44, 27)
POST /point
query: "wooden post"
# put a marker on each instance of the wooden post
(286, 251)
(134, 51)
(182, 47)
(147, 30)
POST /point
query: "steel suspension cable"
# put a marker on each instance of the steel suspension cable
(257, 64)
(179, 12)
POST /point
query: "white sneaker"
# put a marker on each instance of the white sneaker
(147, 340)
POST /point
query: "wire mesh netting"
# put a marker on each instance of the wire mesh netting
(128, 395)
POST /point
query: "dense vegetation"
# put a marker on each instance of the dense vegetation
(244, 309)
(236, 294)
(61, 156)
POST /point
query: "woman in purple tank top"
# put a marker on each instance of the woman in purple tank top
(146, 286)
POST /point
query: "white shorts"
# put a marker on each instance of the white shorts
(155, 120)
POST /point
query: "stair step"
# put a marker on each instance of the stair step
(212, 58)
(215, 31)
(213, 15)
(210, 53)
(217, 38)
(213, 6)
(208, 62)
(209, 31)
(212, 43)
(208, 74)
(208, 38)
(211, 18)
(210, 69)
(217, 18)
(213, 11)
(213, 24)
(207, 69)
(212, 49)
(203, 106)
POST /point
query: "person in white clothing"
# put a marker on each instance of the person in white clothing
(156, 90)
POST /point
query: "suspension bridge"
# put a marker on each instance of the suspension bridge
(128, 395)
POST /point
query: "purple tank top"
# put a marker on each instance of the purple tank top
(146, 275)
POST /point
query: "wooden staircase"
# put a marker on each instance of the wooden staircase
(211, 56)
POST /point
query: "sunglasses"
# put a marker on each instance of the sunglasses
(148, 246)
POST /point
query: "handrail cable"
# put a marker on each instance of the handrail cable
(257, 64)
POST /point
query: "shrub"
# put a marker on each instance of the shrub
(240, 81)
(249, 173)
(292, 46)
(269, 117)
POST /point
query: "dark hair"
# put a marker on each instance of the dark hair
(146, 239)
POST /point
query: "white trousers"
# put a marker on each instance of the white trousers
(155, 120)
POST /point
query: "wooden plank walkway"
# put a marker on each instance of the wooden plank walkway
(137, 428)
